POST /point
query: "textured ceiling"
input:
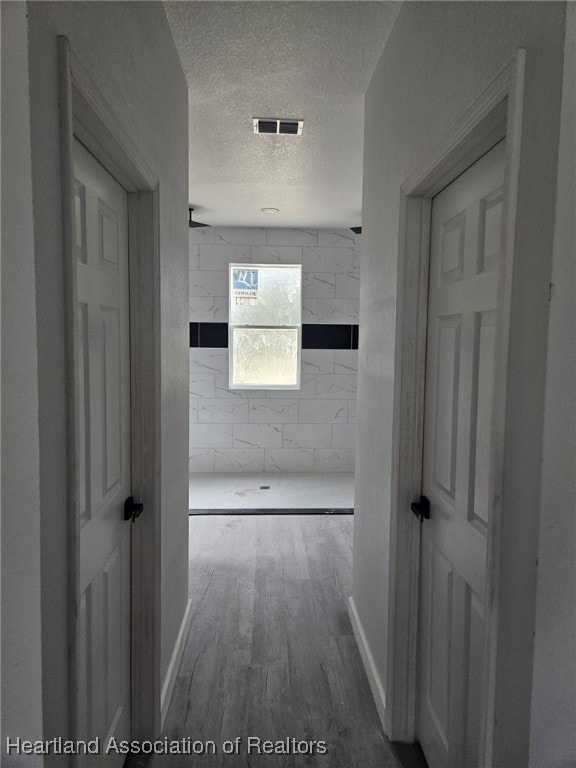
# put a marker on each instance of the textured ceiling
(306, 60)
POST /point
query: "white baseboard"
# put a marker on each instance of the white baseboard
(368, 660)
(170, 678)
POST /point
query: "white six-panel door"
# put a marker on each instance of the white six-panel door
(103, 460)
(462, 310)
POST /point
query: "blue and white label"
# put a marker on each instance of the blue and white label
(244, 286)
(244, 279)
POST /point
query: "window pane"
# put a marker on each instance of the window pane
(265, 295)
(264, 357)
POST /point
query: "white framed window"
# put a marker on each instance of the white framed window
(265, 326)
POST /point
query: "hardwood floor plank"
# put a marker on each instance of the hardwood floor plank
(271, 652)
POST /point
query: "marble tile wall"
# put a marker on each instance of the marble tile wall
(306, 430)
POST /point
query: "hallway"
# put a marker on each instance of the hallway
(191, 109)
(271, 652)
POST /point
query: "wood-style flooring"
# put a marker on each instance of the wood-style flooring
(271, 652)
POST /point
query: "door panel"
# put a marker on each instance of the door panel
(112, 380)
(103, 461)
(446, 405)
(485, 350)
(462, 313)
(439, 650)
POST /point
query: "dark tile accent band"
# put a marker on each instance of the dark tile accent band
(215, 335)
(354, 337)
(209, 335)
(327, 336)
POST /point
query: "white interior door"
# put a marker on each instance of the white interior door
(103, 461)
(462, 309)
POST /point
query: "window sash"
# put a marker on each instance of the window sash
(235, 338)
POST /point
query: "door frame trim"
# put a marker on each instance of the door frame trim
(85, 114)
(495, 114)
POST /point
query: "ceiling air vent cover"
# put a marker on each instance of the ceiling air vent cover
(277, 125)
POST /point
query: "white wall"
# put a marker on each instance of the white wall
(128, 51)
(21, 623)
(553, 738)
(438, 59)
(307, 430)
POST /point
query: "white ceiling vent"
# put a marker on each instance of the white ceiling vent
(277, 125)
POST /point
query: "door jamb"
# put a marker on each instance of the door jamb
(495, 114)
(85, 113)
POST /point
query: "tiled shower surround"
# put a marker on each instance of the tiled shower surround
(307, 430)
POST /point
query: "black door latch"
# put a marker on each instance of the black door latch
(421, 508)
(132, 509)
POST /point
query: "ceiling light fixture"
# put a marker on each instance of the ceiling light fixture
(270, 210)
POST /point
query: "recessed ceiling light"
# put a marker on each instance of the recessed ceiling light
(270, 210)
